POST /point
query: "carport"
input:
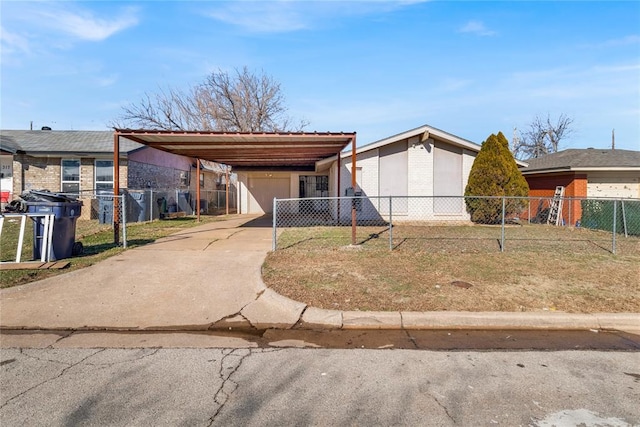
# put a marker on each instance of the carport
(266, 153)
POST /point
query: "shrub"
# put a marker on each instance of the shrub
(494, 173)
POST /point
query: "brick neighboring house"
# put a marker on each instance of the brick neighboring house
(81, 162)
(585, 173)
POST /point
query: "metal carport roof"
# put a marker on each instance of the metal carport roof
(247, 150)
(243, 151)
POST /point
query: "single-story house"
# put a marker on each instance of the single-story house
(585, 173)
(82, 162)
(424, 161)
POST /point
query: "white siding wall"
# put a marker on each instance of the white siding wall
(420, 182)
(243, 201)
(613, 184)
(420, 177)
(468, 157)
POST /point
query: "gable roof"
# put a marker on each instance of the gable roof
(62, 142)
(588, 159)
(422, 134)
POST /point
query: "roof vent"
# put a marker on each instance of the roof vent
(45, 128)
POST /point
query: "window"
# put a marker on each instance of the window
(314, 186)
(71, 176)
(104, 175)
(201, 180)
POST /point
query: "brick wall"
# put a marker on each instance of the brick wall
(545, 186)
(143, 175)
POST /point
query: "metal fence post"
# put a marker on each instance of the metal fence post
(150, 205)
(613, 239)
(390, 223)
(124, 221)
(274, 243)
(624, 219)
(502, 232)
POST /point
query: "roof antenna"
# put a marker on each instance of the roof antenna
(613, 139)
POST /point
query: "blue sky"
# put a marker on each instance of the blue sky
(378, 68)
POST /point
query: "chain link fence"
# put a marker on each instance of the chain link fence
(96, 214)
(212, 202)
(460, 223)
(149, 205)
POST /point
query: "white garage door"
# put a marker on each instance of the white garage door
(263, 190)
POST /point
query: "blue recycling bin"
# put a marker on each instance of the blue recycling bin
(137, 202)
(66, 211)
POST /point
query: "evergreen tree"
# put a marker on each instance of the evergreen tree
(494, 173)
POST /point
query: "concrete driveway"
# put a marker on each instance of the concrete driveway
(196, 279)
(209, 277)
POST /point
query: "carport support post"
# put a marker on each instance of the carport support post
(274, 243)
(226, 188)
(353, 185)
(197, 180)
(116, 188)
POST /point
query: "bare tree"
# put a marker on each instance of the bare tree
(242, 102)
(542, 137)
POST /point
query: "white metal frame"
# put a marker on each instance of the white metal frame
(46, 247)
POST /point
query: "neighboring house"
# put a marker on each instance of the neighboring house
(585, 173)
(424, 161)
(81, 162)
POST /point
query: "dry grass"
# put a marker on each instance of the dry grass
(542, 268)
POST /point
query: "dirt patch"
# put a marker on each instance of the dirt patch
(568, 271)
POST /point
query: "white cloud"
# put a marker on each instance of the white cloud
(264, 17)
(12, 42)
(59, 24)
(281, 16)
(452, 85)
(476, 27)
(84, 25)
(107, 80)
(624, 41)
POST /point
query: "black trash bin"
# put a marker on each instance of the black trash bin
(66, 211)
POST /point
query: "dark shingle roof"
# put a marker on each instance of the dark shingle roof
(37, 142)
(584, 159)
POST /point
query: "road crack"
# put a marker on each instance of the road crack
(62, 372)
(229, 365)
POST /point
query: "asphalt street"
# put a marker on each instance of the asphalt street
(270, 386)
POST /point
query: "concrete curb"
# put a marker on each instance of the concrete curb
(317, 318)
(272, 310)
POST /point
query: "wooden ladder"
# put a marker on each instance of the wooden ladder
(555, 210)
